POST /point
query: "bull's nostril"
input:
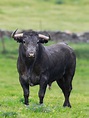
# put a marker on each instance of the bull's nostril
(31, 55)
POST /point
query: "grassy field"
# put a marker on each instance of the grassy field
(45, 15)
(11, 96)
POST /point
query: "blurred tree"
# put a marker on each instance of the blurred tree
(2, 41)
(59, 1)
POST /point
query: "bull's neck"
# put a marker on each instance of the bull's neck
(36, 67)
(40, 52)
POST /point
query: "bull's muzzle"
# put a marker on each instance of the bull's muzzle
(31, 55)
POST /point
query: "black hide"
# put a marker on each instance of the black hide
(41, 65)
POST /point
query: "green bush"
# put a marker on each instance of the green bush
(59, 1)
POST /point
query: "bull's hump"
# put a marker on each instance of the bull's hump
(58, 47)
(63, 43)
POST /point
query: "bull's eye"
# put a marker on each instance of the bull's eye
(23, 41)
(38, 41)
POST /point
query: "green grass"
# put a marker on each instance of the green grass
(11, 95)
(45, 15)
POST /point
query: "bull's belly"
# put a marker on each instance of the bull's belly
(54, 77)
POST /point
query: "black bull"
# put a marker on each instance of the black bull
(42, 65)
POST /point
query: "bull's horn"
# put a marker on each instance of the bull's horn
(18, 35)
(14, 35)
(43, 36)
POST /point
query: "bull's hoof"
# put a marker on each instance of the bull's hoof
(41, 103)
(26, 104)
(67, 105)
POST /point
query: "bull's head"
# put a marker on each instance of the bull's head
(30, 41)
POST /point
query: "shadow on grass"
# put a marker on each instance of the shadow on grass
(39, 108)
(8, 114)
(82, 53)
(10, 54)
(35, 107)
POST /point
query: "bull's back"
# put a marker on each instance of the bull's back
(60, 51)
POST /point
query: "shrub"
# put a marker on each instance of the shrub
(59, 1)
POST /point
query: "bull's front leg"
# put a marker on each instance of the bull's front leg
(42, 90)
(25, 85)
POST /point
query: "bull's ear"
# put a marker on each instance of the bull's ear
(42, 41)
(43, 38)
(17, 37)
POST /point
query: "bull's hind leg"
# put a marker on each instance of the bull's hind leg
(67, 91)
(66, 86)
